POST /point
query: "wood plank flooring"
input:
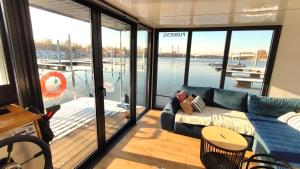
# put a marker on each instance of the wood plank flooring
(147, 146)
(71, 149)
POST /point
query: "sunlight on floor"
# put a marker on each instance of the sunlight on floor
(147, 146)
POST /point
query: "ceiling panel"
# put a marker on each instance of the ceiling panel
(186, 13)
(203, 13)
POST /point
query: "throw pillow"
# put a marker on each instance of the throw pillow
(181, 96)
(285, 117)
(294, 122)
(186, 106)
(191, 98)
(198, 104)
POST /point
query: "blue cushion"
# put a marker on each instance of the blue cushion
(174, 106)
(278, 139)
(228, 99)
(273, 107)
(204, 92)
(260, 118)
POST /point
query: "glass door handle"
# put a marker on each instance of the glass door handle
(102, 90)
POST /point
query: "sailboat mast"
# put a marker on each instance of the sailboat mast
(71, 67)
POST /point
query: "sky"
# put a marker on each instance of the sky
(57, 27)
(47, 25)
(213, 42)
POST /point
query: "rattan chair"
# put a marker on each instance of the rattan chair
(264, 161)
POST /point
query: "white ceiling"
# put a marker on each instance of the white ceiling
(207, 13)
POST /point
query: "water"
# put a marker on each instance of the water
(171, 74)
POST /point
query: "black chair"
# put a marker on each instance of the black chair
(264, 161)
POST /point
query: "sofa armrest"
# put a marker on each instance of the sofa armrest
(167, 117)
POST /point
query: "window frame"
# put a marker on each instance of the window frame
(148, 84)
(155, 68)
(270, 62)
(7, 91)
(24, 58)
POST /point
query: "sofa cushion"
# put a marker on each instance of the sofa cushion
(231, 119)
(228, 99)
(277, 138)
(204, 92)
(174, 104)
(273, 107)
(294, 122)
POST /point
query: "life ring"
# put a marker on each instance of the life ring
(53, 84)
(109, 87)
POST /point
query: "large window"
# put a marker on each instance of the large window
(247, 60)
(63, 51)
(142, 78)
(171, 64)
(116, 73)
(246, 53)
(207, 53)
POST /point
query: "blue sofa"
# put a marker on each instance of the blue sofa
(271, 136)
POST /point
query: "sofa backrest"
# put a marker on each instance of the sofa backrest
(204, 92)
(273, 107)
(229, 99)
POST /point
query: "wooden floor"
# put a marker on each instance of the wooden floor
(147, 146)
(71, 149)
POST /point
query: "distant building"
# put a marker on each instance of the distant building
(262, 54)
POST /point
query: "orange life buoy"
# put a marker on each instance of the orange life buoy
(53, 84)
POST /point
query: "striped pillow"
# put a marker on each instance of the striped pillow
(198, 104)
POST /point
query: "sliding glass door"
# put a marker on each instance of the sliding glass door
(142, 70)
(65, 67)
(116, 60)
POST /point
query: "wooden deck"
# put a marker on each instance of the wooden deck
(76, 134)
(147, 146)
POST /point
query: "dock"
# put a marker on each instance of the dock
(247, 82)
(252, 74)
(49, 66)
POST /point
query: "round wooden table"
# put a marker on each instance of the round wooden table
(221, 148)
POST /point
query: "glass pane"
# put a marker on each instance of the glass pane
(116, 73)
(171, 64)
(207, 53)
(142, 60)
(248, 56)
(3, 70)
(64, 57)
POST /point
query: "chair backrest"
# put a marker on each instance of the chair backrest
(264, 161)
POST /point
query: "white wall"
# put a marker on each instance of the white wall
(285, 80)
